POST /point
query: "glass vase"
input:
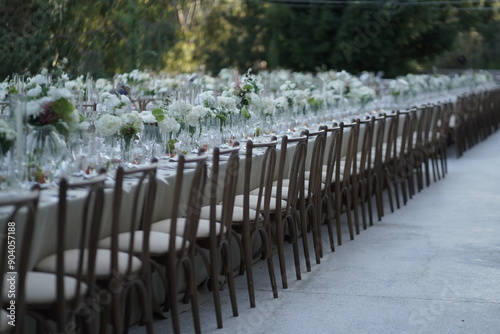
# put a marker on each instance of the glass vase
(46, 149)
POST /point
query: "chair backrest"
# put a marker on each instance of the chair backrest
(266, 170)
(17, 219)
(366, 128)
(334, 143)
(192, 211)
(133, 202)
(295, 173)
(316, 159)
(379, 136)
(228, 188)
(351, 150)
(391, 135)
(406, 135)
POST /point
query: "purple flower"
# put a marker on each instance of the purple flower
(48, 115)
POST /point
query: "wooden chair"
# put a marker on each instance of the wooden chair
(314, 189)
(219, 225)
(73, 307)
(215, 233)
(17, 218)
(179, 235)
(290, 186)
(131, 243)
(257, 219)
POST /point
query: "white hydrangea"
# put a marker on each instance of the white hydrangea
(4, 90)
(195, 114)
(288, 85)
(34, 92)
(148, 117)
(110, 100)
(336, 86)
(108, 125)
(6, 132)
(228, 104)
(299, 98)
(103, 85)
(132, 118)
(267, 106)
(281, 102)
(180, 108)
(169, 124)
(253, 98)
(39, 79)
(362, 94)
(83, 126)
(57, 93)
(207, 99)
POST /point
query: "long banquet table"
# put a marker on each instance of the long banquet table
(44, 242)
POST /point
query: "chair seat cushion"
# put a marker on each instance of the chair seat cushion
(41, 288)
(238, 201)
(237, 213)
(102, 266)
(202, 232)
(158, 242)
(307, 174)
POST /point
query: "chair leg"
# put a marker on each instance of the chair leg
(311, 216)
(389, 190)
(194, 296)
(281, 251)
(338, 206)
(172, 297)
(303, 232)
(362, 203)
(117, 313)
(266, 242)
(214, 282)
(146, 304)
(378, 197)
(247, 250)
(230, 278)
(348, 213)
(329, 221)
(295, 244)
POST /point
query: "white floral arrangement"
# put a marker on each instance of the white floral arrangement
(362, 94)
(133, 118)
(196, 114)
(4, 90)
(108, 125)
(116, 104)
(158, 117)
(179, 108)
(50, 105)
(227, 104)
(267, 106)
(206, 99)
(103, 85)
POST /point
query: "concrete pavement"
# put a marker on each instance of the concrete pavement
(432, 266)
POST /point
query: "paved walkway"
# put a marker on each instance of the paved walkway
(431, 267)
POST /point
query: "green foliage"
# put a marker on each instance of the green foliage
(108, 36)
(158, 114)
